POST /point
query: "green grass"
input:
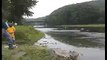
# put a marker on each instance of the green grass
(26, 36)
(31, 53)
(87, 25)
(92, 27)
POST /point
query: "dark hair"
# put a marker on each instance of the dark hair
(10, 24)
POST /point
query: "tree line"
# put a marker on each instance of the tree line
(92, 12)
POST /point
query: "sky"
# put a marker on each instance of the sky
(45, 7)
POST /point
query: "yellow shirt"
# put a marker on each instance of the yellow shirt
(11, 31)
(14, 28)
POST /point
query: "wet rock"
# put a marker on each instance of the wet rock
(63, 55)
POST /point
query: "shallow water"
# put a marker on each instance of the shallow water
(90, 45)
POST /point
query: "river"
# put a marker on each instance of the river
(90, 45)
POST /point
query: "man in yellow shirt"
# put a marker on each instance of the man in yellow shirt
(11, 30)
(6, 35)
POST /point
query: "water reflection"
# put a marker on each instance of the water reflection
(77, 39)
(90, 45)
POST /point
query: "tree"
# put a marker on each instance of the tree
(5, 9)
(18, 8)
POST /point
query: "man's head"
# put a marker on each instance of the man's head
(10, 24)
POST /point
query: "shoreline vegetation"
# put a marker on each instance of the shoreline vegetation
(86, 25)
(26, 36)
(89, 27)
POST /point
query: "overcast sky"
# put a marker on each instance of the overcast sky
(45, 7)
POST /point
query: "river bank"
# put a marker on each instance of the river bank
(89, 45)
(85, 27)
(26, 36)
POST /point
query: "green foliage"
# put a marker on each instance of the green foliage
(90, 27)
(80, 13)
(17, 8)
(5, 9)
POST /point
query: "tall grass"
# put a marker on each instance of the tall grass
(27, 35)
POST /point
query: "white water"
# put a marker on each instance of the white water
(85, 53)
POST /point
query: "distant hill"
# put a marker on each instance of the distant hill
(91, 12)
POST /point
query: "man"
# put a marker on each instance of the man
(7, 35)
(11, 30)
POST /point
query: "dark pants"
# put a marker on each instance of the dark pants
(8, 38)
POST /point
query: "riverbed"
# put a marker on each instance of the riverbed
(90, 45)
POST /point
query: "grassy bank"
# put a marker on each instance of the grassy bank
(87, 25)
(27, 52)
(90, 27)
(26, 36)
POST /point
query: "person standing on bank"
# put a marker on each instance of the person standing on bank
(7, 35)
(11, 30)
